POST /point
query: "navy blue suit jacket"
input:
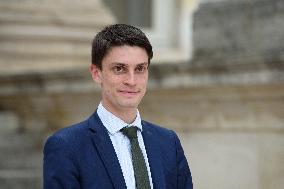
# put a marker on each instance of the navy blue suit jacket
(82, 157)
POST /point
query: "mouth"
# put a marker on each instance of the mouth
(128, 92)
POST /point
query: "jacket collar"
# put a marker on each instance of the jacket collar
(154, 155)
(105, 149)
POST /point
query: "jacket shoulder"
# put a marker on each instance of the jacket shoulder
(72, 130)
(162, 131)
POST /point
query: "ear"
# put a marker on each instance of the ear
(96, 73)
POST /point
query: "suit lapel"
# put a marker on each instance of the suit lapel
(105, 149)
(154, 156)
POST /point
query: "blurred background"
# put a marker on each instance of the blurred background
(217, 79)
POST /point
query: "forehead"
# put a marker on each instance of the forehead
(131, 55)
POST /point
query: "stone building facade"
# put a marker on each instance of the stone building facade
(224, 96)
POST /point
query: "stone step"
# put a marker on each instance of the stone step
(21, 179)
(48, 34)
(45, 21)
(63, 20)
(75, 15)
(40, 67)
(20, 159)
(17, 141)
(19, 43)
(45, 6)
(35, 49)
(44, 33)
(20, 151)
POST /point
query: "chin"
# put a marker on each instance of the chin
(129, 104)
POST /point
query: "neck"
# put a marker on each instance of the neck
(128, 115)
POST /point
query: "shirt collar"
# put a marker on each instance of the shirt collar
(113, 123)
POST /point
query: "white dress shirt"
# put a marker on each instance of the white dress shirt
(122, 145)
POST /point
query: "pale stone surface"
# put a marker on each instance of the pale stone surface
(227, 30)
(229, 103)
(38, 36)
(9, 122)
(250, 108)
(222, 160)
(231, 108)
(20, 160)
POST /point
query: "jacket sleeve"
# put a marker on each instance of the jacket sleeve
(184, 174)
(59, 165)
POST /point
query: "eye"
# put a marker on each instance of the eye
(118, 69)
(141, 68)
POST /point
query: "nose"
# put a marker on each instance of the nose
(130, 79)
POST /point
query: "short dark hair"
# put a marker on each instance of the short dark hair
(118, 35)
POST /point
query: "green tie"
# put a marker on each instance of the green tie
(139, 165)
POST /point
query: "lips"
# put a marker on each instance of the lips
(128, 92)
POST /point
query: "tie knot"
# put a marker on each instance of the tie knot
(130, 132)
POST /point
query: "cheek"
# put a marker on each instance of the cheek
(110, 83)
(144, 80)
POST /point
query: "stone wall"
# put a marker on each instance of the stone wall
(237, 117)
(232, 135)
(226, 104)
(239, 32)
(41, 43)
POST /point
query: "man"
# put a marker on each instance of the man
(114, 148)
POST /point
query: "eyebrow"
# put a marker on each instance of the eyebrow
(117, 63)
(123, 64)
(142, 64)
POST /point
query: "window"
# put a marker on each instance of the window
(133, 12)
(167, 23)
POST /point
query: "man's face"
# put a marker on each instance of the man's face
(123, 77)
